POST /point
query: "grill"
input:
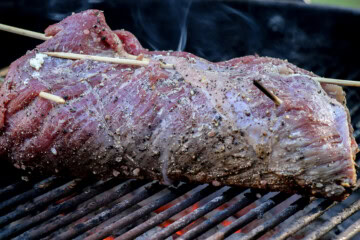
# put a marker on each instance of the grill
(57, 208)
(63, 208)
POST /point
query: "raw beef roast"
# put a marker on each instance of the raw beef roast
(200, 122)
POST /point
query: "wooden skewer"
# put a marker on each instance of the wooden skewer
(42, 36)
(145, 62)
(75, 56)
(134, 60)
(23, 32)
(337, 81)
(126, 61)
(52, 97)
(4, 71)
(268, 93)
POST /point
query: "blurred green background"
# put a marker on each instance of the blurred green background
(344, 3)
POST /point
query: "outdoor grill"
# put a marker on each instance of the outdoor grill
(320, 39)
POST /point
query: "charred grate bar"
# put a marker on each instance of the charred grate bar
(66, 203)
(306, 219)
(55, 210)
(38, 203)
(248, 198)
(289, 211)
(181, 223)
(174, 193)
(145, 192)
(350, 232)
(250, 216)
(38, 189)
(163, 216)
(11, 190)
(339, 218)
(61, 221)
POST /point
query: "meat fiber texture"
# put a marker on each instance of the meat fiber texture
(201, 122)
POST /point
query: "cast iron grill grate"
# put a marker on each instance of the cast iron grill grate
(57, 208)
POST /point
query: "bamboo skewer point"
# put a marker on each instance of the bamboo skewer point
(268, 93)
(337, 81)
(75, 56)
(4, 71)
(145, 61)
(52, 97)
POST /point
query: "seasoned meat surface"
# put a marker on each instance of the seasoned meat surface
(200, 122)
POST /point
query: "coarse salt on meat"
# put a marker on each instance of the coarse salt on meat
(37, 61)
(53, 151)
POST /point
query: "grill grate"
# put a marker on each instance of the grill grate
(58, 208)
(78, 200)
(332, 222)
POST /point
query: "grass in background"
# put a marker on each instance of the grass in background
(344, 3)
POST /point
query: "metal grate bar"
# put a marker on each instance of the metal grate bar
(174, 193)
(61, 221)
(186, 220)
(250, 216)
(115, 218)
(308, 218)
(336, 220)
(289, 211)
(304, 220)
(350, 232)
(37, 204)
(147, 191)
(248, 198)
(56, 209)
(168, 213)
(11, 190)
(38, 189)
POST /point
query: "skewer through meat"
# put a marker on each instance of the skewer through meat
(200, 122)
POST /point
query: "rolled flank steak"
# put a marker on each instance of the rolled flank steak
(200, 122)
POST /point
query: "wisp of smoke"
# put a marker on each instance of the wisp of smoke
(57, 10)
(214, 30)
(183, 27)
(188, 26)
(163, 23)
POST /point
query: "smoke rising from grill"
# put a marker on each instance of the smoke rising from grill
(216, 31)
(183, 27)
(174, 17)
(170, 25)
(58, 10)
